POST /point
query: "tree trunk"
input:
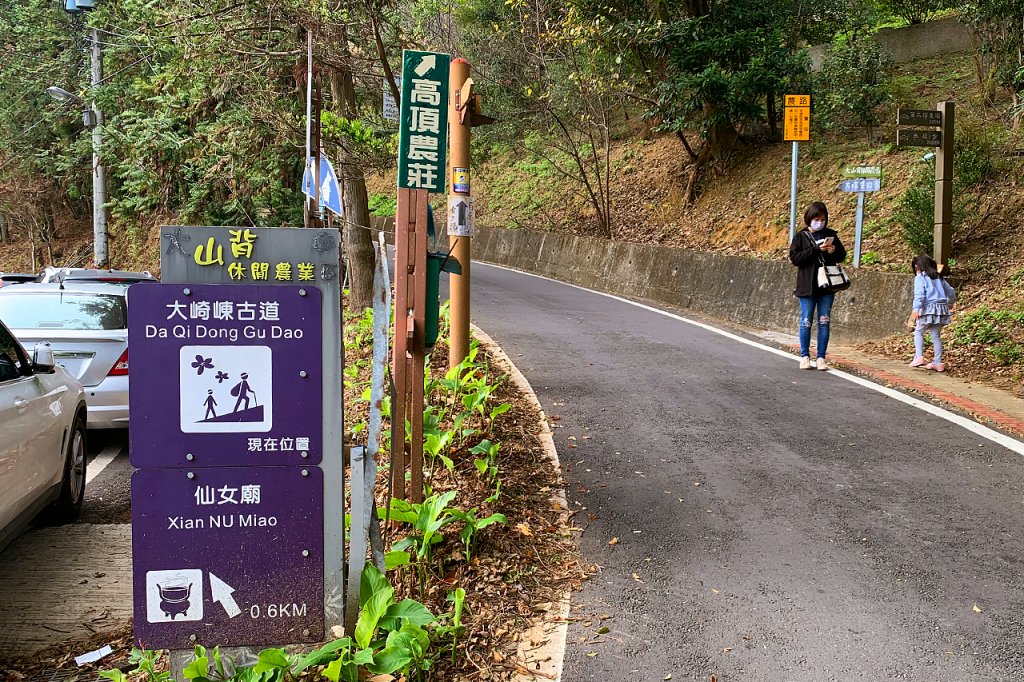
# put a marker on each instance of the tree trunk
(773, 128)
(358, 241)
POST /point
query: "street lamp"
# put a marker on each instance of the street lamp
(61, 95)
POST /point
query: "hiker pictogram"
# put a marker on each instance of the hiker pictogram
(207, 392)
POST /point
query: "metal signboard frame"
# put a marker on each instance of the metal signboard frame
(284, 256)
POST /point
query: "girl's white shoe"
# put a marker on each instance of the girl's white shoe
(805, 363)
(820, 364)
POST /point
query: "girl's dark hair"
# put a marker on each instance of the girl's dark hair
(816, 209)
(926, 264)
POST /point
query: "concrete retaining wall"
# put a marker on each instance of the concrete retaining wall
(942, 36)
(755, 293)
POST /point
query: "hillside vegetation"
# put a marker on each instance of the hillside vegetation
(626, 121)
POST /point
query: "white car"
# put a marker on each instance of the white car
(42, 438)
(87, 325)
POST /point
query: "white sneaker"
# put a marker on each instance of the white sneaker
(805, 363)
(820, 364)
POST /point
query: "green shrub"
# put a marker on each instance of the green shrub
(853, 83)
(1008, 353)
(991, 328)
(870, 258)
(383, 205)
(916, 213)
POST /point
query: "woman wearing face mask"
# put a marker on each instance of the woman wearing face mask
(810, 246)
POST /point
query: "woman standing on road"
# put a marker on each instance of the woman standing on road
(812, 245)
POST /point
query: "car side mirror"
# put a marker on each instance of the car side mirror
(42, 358)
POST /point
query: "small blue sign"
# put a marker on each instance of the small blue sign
(330, 190)
(860, 185)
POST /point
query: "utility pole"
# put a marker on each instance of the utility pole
(459, 124)
(943, 235)
(99, 177)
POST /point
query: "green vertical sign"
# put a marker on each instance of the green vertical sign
(423, 121)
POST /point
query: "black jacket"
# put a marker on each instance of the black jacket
(805, 254)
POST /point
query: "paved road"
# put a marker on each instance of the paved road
(64, 582)
(755, 521)
(108, 489)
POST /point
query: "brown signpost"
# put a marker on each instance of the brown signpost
(422, 147)
(938, 133)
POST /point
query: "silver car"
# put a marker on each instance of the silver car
(42, 438)
(87, 325)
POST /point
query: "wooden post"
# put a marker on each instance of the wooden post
(943, 235)
(409, 353)
(459, 124)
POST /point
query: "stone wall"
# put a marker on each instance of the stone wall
(752, 292)
(942, 36)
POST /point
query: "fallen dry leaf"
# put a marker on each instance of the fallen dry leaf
(524, 529)
(977, 609)
(613, 541)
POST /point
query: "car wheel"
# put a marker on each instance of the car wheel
(68, 506)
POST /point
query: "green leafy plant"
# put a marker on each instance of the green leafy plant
(145, 662)
(487, 465)
(450, 625)
(472, 526)
(870, 258)
(427, 519)
(383, 205)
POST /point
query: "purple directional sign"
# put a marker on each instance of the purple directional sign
(225, 375)
(229, 556)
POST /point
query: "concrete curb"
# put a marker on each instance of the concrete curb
(542, 650)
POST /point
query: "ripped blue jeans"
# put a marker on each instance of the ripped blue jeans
(821, 300)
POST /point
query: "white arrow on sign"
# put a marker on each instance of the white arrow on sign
(221, 591)
(426, 64)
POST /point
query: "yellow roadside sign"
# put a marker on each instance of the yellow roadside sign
(798, 118)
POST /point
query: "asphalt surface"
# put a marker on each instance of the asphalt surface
(754, 521)
(108, 492)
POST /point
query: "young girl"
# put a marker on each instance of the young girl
(932, 296)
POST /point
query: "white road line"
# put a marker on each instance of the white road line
(974, 427)
(100, 462)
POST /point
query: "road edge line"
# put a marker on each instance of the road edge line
(1011, 444)
(554, 626)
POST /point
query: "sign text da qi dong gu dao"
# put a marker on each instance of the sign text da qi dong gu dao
(233, 375)
(423, 121)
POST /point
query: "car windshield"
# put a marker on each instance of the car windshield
(61, 310)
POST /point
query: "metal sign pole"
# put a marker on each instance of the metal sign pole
(792, 192)
(860, 226)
